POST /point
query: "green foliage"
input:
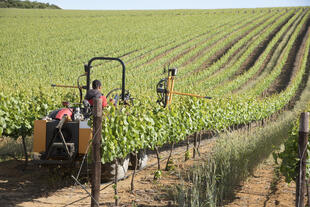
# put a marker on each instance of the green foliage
(157, 175)
(18, 112)
(147, 125)
(234, 157)
(170, 165)
(187, 155)
(26, 4)
(290, 156)
(49, 54)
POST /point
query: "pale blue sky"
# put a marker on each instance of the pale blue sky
(172, 4)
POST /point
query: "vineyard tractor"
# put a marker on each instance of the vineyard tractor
(64, 135)
(165, 90)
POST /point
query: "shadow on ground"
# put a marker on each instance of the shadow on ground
(18, 184)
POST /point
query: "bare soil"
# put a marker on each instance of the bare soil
(39, 186)
(265, 188)
(203, 50)
(259, 50)
(42, 186)
(293, 63)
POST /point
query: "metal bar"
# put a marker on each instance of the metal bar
(80, 87)
(64, 86)
(48, 150)
(85, 189)
(110, 58)
(188, 94)
(65, 144)
(52, 162)
(59, 127)
(168, 89)
(87, 71)
(61, 122)
(171, 89)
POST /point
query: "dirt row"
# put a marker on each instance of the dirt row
(41, 186)
(268, 64)
(293, 63)
(220, 53)
(168, 51)
(250, 60)
(45, 187)
(238, 53)
(203, 50)
(266, 187)
(259, 52)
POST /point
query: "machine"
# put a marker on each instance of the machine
(63, 136)
(165, 90)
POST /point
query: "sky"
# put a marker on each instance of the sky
(171, 4)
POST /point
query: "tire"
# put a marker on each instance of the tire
(108, 170)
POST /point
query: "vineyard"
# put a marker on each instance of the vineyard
(254, 63)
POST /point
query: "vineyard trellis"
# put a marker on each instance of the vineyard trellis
(212, 50)
(57, 49)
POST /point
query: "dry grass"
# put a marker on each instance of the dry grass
(11, 148)
(235, 156)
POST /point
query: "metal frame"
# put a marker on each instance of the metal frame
(88, 67)
(165, 89)
(69, 155)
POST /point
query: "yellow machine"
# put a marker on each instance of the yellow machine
(165, 89)
(41, 138)
(69, 141)
(64, 135)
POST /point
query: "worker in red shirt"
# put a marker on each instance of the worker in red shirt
(96, 93)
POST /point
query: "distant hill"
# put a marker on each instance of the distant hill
(26, 4)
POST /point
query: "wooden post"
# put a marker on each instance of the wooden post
(308, 191)
(302, 150)
(96, 152)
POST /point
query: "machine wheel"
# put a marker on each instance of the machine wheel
(113, 92)
(142, 160)
(116, 92)
(108, 170)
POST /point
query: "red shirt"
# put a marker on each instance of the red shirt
(104, 101)
(95, 93)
